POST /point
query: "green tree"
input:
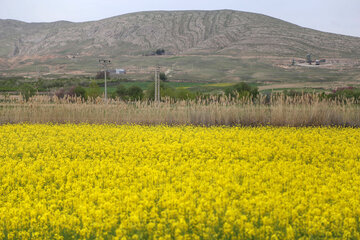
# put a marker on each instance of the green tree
(80, 92)
(135, 93)
(160, 51)
(308, 58)
(242, 90)
(184, 94)
(121, 92)
(27, 91)
(163, 77)
(150, 92)
(94, 90)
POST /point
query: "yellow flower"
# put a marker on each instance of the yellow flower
(159, 182)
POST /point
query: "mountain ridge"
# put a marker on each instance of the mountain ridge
(180, 33)
(176, 30)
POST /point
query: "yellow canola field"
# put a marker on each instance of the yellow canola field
(141, 182)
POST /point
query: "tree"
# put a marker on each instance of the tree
(27, 91)
(135, 93)
(160, 51)
(184, 94)
(94, 90)
(308, 59)
(80, 92)
(242, 90)
(150, 92)
(163, 77)
(121, 92)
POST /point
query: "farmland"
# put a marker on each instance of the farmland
(218, 127)
(159, 182)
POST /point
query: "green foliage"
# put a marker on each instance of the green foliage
(242, 90)
(292, 93)
(308, 58)
(184, 94)
(135, 93)
(132, 93)
(94, 90)
(163, 77)
(121, 92)
(27, 91)
(160, 51)
(345, 93)
(167, 91)
(80, 92)
(150, 92)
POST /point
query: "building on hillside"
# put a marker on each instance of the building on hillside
(117, 72)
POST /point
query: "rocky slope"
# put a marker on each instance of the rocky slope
(186, 33)
(176, 32)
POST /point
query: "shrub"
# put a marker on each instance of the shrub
(160, 51)
(242, 90)
(121, 92)
(94, 90)
(163, 77)
(27, 91)
(80, 92)
(135, 93)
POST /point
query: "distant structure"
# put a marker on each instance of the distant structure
(117, 71)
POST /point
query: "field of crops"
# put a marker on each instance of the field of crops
(158, 182)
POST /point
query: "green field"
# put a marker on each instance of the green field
(191, 86)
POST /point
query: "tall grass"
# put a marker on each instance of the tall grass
(276, 110)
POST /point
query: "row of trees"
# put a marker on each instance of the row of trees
(134, 92)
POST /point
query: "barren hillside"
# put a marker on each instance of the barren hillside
(127, 38)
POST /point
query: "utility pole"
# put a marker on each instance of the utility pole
(105, 64)
(157, 84)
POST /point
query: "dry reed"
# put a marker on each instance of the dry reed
(279, 110)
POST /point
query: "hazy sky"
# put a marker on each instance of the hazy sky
(338, 16)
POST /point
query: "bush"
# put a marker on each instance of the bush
(163, 77)
(94, 90)
(150, 92)
(80, 92)
(27, 91)
(135, 93)
(166, 91)
(160, 51)
(184, 94)
(242, 90)
(121, 92)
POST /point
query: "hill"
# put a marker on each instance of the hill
(222, 45)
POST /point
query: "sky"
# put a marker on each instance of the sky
(336, 16)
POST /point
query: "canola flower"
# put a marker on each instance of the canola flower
(158, 182)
